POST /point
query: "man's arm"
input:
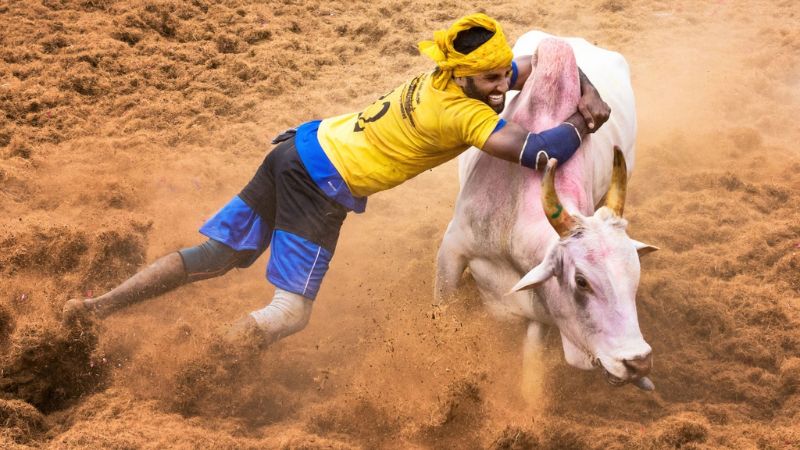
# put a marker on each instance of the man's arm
(516, 144)
(524, 68)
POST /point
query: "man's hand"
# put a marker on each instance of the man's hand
(593, 109)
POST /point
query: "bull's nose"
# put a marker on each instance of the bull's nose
(640, 366)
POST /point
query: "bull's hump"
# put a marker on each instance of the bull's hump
(552, 91)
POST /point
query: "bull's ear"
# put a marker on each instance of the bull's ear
(644, 249)
(537, 275)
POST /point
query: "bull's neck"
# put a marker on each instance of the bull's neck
(571, 184)
(534, 233)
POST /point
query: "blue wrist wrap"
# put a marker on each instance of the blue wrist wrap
(560, 142)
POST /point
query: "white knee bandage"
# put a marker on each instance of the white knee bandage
(287, 314)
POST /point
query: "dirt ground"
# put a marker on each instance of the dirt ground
(125, 124)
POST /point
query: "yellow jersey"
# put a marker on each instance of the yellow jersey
(405, 132)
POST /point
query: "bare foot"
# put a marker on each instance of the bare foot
(75, 308)
(245, 332)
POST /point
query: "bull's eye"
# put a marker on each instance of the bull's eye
(581, 282)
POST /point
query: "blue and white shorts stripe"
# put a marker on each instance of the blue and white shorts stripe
(297, 264)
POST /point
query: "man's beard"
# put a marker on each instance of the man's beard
(471, 91)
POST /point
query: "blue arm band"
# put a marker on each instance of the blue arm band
(560, 143)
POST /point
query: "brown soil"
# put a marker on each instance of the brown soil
(125, 124)
(49, 366)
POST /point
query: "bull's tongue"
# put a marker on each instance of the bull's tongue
(645, 384)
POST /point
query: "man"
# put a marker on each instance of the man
(320, 171)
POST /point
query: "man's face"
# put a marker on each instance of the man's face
(489, 87)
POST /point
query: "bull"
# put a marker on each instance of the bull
(566, 224)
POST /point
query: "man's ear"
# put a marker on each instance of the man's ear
(461, 81)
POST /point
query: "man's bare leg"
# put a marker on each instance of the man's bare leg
(163, 275)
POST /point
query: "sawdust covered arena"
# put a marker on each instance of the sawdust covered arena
(125, 124)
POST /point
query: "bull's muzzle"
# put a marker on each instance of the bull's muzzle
(640, 366)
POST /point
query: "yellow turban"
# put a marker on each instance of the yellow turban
(493, 54)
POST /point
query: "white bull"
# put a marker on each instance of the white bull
(509, 219)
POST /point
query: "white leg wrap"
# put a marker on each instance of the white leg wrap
(287, 314)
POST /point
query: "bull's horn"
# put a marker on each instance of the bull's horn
(558, 217)
(615, 199)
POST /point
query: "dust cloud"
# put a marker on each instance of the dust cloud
(125, 124)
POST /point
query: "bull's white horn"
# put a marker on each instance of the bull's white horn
(615, 198)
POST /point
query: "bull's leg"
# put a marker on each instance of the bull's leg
(532, 363)
(450, 264)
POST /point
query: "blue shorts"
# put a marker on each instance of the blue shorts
(283, 206)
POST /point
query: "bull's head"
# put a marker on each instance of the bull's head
(589, 278)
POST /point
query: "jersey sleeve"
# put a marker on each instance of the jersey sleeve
(514, 75)
(470, 120)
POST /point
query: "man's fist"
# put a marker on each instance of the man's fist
(593, 109)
